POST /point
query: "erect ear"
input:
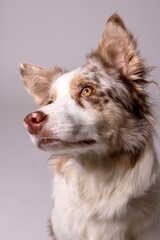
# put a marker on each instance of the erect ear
(38, 81)
(118, 48)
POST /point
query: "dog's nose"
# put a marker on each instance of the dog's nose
(35, 121)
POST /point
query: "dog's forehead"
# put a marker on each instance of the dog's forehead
(62, 84)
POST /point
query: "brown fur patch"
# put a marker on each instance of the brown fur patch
(60, 166)
(135, 100)
(53, 94)
(98, 99)
(77, 83)
(75, 87)
(50, 230)
(116, 19)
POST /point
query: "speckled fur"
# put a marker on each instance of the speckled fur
(106, 173)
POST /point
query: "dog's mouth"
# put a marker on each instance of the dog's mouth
(56, 142)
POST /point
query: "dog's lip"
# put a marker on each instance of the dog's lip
(45, 140)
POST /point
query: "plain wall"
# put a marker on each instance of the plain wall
(46, 32)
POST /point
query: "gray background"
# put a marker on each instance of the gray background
(50, 32)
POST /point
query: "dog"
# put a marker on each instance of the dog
(97, 123)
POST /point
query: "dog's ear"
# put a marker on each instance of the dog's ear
(118, 48)
(38, 81)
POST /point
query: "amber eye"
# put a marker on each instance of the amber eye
(87, 91)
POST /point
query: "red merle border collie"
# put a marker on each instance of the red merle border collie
(96, 122)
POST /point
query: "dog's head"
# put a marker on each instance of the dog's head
(102, 104)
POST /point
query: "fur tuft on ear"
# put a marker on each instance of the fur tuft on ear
(38, 80)
(118, 48)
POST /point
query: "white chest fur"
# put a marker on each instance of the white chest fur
(96, 203)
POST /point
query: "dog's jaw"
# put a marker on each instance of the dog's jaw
(47, 142)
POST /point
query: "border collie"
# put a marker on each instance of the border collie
(97, 123)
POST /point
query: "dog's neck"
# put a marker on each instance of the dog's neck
(106, 173)
(93, 161)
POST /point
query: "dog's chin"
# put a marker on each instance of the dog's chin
(60, 146)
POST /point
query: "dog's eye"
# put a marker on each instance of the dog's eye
(49, 102)
(86, 91)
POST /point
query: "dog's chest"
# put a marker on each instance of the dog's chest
(83, 205)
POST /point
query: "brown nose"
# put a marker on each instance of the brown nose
(35, 121)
